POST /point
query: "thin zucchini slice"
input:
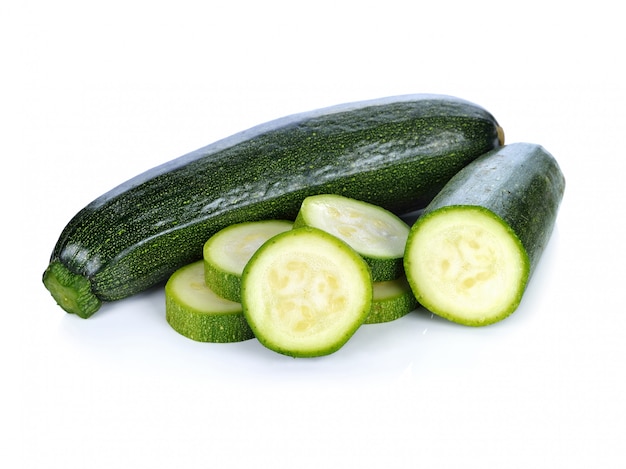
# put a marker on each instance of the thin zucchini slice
(305, 293)
(470, 255)
(195, 311)
(378, 235)
(392, 299)
(228, 251)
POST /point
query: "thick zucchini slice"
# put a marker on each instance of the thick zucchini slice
(392, 299)
(395, 152)
(470, 255)
(305, 293)
(375, 233)
(228, 251)
(195, 311)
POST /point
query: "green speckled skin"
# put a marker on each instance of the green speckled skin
(217, 328)
(396, 152)
(391, 308)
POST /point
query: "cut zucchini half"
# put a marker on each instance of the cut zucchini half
(228, 251)
(195, 311)
(392, 299)
(471, 253)
(305, 293)
(378, 235)
(464, 263)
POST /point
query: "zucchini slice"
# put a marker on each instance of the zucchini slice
(227, 252)
(378, 235)
(469, 257)
(305, 293)
(392, 299)
(195, 311)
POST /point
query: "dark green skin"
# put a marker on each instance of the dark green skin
(395, 152)
(521, 183)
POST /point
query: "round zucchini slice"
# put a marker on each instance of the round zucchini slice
(197, 312)
(228, 251)
(305, 293)
(377, 234)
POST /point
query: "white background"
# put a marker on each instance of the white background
(93, 93)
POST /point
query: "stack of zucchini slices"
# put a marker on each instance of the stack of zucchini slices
(301, 288)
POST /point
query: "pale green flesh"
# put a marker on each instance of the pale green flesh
(465, 264)
(390, 289)
(370, 230)
(230, 249)
(305, 293)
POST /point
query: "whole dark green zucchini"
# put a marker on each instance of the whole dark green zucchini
(396, 152)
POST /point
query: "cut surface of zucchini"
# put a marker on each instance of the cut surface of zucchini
(464, 263)
(378, 235)
(197, 312)
(305, 293)
(228, 251)
(392, 299)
